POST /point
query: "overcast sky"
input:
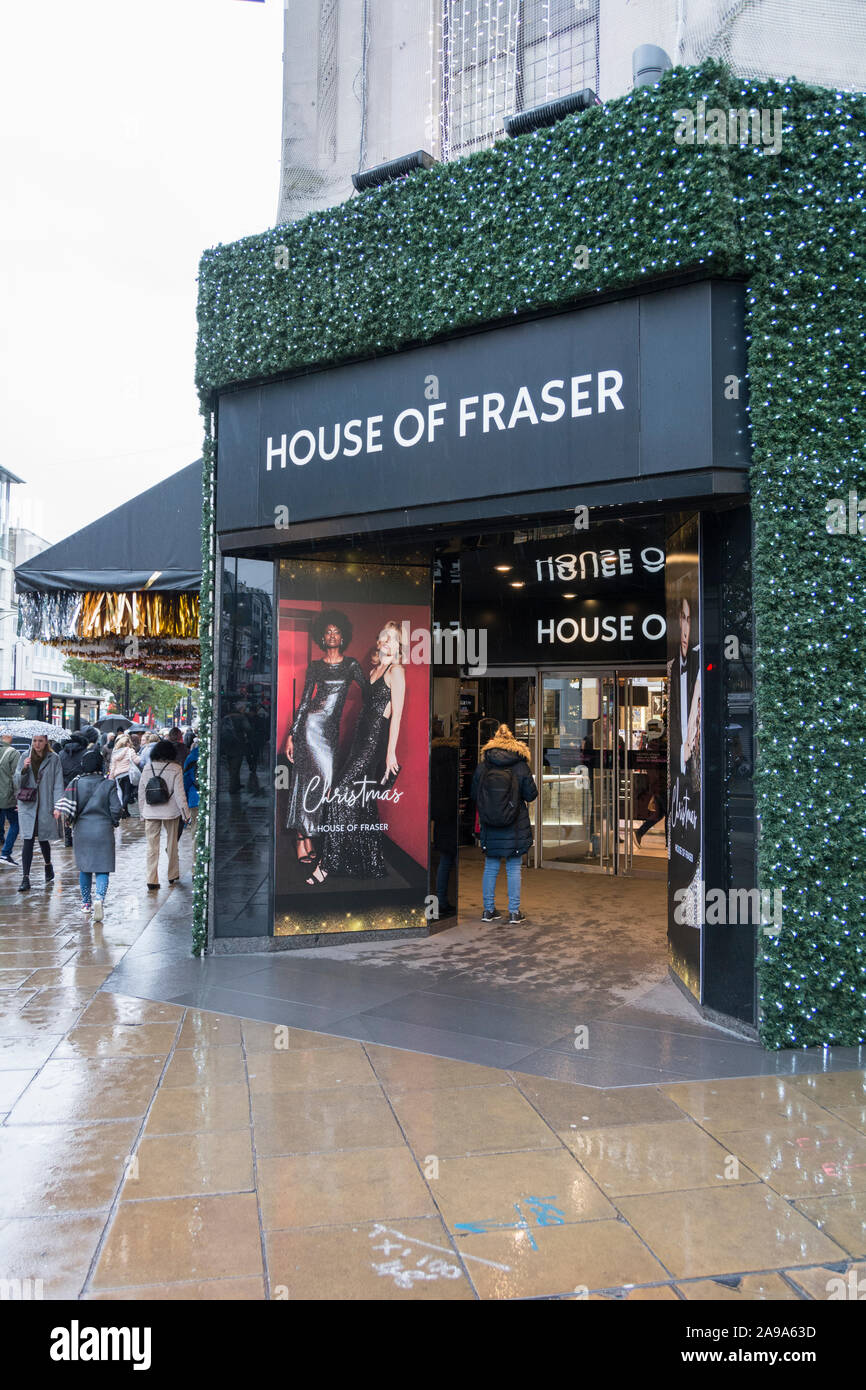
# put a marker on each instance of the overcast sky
(133, 136)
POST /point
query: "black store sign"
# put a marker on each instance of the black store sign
(616, 391)
(598, 596)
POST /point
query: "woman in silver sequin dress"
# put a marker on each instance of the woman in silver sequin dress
(312, 744)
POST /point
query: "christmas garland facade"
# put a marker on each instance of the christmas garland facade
(650, 185)
(203, 835)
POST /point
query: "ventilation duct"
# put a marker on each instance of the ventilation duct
(393, 169)
(550, 112)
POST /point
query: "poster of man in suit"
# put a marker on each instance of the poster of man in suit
(684, 753)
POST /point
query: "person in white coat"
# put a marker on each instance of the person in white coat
(122, 755)
(161, 811)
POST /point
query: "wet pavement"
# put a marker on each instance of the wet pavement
(579, 993)
(151, 1149)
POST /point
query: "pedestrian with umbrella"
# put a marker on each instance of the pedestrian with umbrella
(114, 724)
(39, 787)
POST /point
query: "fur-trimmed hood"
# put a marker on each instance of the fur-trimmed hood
(506, 745)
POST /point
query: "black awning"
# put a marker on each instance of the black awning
(151, 542)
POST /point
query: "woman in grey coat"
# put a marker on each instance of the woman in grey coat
(96, 811)
(40, 771)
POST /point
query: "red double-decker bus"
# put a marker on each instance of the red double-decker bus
(63, 710)
(25, 704)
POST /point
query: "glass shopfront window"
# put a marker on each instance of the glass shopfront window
(730, 758)
(244, 811)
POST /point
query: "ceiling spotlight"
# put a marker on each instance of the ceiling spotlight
(517, 583)
(537, 117)
(393, 169)
(503, 569)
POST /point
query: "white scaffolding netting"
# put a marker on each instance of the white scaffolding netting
(366, 81)
(818, 41)
(358, 89)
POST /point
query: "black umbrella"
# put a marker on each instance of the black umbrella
(112, 723)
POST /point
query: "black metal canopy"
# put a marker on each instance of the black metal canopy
(152, 542)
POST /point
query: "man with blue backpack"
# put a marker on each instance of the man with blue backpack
(502, 786)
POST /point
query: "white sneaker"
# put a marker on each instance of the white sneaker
(98, 910)
(7, 859)
(86, 909)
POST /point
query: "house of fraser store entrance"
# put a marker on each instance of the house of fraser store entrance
(564, 500)
(598, 744)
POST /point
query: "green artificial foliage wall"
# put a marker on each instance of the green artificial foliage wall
(501, 233)
(201, 871)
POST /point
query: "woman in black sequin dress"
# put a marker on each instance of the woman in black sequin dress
(359, 852)
(312, 743)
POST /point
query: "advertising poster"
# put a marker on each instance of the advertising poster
(353, 700)
(685, 899)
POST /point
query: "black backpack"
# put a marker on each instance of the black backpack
(498, 801)
(156, 793)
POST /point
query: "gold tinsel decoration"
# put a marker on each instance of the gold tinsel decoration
(138, 615)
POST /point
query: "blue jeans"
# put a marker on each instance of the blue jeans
(9, 813)
(85, 880)
(488, 882)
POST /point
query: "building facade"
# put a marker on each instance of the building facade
(561, 428)
(25, 664)
(366, 81)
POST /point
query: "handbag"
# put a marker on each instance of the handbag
(27, 794)
(388, 782)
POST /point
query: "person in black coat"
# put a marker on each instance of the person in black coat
(71, 756)
(504, 754)
(72, 753)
